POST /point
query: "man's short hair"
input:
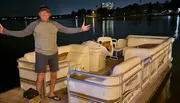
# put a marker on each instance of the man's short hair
(44, 8)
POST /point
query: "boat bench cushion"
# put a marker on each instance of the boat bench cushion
(30, 57)
(117, 70)
(126, 65)
(133, 41)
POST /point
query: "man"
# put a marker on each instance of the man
(45, 32)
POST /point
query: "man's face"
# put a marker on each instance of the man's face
(44, 15)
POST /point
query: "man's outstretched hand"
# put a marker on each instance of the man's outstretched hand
(1, 29)
(85, 28)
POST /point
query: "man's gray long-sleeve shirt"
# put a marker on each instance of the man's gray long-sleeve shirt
(45, 35)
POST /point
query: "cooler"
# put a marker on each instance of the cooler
(97, 55)
(97, 60)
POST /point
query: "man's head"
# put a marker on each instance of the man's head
(44, 13)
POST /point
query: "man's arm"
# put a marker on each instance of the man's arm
(27, 31)
(68, 30)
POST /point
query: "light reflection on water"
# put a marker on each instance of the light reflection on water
(93, 26)
(108, 27)
(177, 28)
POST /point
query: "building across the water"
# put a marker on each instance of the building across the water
(108, 5)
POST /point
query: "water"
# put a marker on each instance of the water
(12, 48)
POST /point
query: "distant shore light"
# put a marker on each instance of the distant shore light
(92, 12)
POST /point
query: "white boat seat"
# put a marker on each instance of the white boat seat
(106, 42)
(76, 55)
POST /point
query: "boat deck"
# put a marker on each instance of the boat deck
(16, 95)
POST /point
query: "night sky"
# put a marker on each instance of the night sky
(30, 7)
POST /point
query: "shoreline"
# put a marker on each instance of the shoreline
(69, 16)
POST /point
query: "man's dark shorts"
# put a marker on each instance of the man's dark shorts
(42, 61)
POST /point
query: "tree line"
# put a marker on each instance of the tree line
(134, 9)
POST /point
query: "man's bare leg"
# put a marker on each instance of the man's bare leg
(53, 82)
(39, 82)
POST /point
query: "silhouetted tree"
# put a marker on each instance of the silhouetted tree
(102, 11)
(73, 13)
(149, 10)
(166, 5)
(81, 12)
(89, 12)
(174, 4)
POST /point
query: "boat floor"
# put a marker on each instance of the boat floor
(16, 95)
